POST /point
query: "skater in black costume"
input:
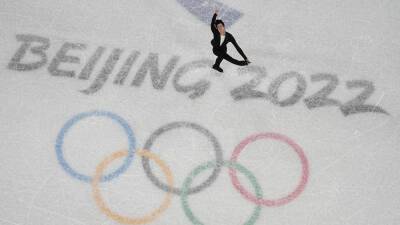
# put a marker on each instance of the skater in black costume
(221, 38)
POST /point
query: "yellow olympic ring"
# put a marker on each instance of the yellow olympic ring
(122, 219)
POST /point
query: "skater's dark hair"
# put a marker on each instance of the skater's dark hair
(219, 21)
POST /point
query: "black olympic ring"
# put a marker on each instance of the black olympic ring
(183, 124)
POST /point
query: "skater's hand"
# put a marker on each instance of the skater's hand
(216, 11)
(247, 60)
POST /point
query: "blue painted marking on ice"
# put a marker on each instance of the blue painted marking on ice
(204, 10)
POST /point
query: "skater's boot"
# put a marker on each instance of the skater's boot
(217, 68)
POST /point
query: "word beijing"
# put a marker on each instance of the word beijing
(37, 46)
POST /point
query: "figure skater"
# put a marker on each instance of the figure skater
(221, 38)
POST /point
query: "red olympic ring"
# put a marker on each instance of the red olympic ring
(267, 202)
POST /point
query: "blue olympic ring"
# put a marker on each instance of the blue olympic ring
(80, 116)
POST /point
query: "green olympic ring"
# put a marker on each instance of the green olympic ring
(212, 164)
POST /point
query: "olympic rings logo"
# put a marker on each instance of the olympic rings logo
(185, 189)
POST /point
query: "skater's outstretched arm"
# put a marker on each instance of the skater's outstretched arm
(238, 48)
(213, 28)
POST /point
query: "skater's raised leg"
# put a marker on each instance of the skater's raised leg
(234, 61)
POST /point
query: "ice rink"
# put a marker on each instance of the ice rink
(111, 113)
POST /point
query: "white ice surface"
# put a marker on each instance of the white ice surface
(354, 160)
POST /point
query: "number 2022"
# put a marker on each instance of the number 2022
(319, 99)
